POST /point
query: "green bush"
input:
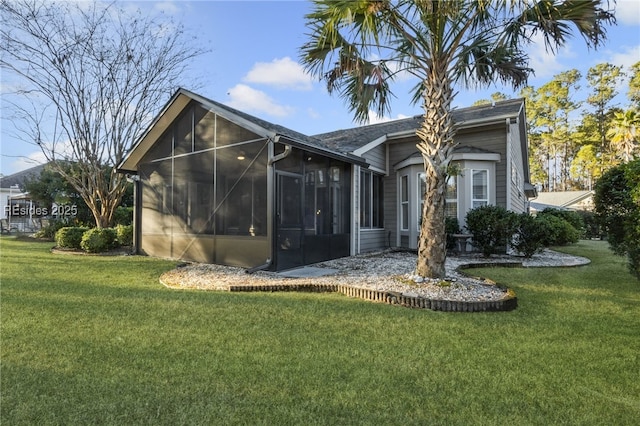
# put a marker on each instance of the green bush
(617, 201)
(124, 234)
(573, 218)
(70, 236)
(49, 231)
(451, 226)
(98, 240)
(491, 227)
(592, 225)
(530, 234)
(123, 216)
(558, 232)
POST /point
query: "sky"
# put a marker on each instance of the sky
(251, 64)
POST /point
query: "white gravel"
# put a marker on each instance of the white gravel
(388, 271)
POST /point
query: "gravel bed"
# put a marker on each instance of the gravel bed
(388, 271)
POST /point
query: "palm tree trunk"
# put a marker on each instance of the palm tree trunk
(436, 145)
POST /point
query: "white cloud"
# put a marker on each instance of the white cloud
(281, 73)
(247, 99)
(168, 7)
(374, 118)
(628, 12)
(26, 162)
(311, 112)
(626, 57)
(545, 63)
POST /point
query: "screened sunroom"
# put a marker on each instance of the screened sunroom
(215, 185)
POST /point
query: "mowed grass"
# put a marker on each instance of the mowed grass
(97, 340)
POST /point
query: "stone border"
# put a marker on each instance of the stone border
(509, 303)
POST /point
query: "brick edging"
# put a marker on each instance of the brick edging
(390, 297)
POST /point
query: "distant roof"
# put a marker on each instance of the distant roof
(20, 177)
(349, 140)
(562, 198)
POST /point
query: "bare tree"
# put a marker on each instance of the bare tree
(89, 78)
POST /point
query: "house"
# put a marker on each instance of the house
(18, 211)
(563, 200)
(216, 185)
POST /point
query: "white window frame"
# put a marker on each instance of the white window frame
(404, 203)
(451, 200)
(374, 201)
(487, 199)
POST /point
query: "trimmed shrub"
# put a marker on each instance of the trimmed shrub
(123, 216)
(97, 240)
(558, 231)
(573, 218)
(124, 234)
(70, 236)
(49, 231)
(451, 227)
(530, 234)
(592, 226)
(491, 227)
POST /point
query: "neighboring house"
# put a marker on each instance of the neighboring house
(563, 200)
(216, 185)
(12, 199)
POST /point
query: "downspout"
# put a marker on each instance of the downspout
(270, 196)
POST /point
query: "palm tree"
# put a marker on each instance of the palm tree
(623, 133)
(359, 47)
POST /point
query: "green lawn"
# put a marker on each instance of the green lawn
(97, 340)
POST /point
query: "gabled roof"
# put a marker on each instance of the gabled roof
(563, 198)
(355, 139)
(20, 177)
(182, 98)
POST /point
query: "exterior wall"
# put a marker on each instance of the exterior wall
(491, 139)
(517, 201)
(203, 193)
(373, 239)
(398, 151)
(377, 158)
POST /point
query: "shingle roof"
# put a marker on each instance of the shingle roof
(562, 198)
(20, 177)
(349, 140)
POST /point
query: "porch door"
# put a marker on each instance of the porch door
(289, 221)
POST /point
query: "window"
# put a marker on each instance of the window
(480, 191)
(422, 188)
(404, 203)
(371, 200)
(451, 197)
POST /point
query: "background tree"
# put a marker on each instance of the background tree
(603, 80)
(634, 85)
(549, 108)
(495, 97)
(623, 134)
(357, 48)
(585, 166)
(91, 76)
(50, 187)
